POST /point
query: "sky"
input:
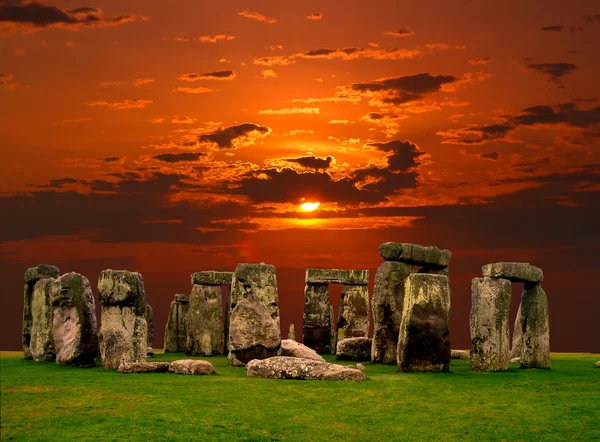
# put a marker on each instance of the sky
(169, 138)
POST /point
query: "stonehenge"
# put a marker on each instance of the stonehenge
(149, 316)
(285, 367)
(489, 318)
(354, 349)
(176, 328)
(123, 330)
(320, 330)
(254, 326)
(297, 350)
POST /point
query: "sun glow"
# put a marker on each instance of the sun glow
(309, 207)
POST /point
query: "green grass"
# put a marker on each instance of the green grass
(46, 401)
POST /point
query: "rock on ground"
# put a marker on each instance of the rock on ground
(191, 366)
(144, 367)
(513, 271)
(361, 367)
(598, 364)
(354, 349)
(294, 349)
(459, 354)
(284, 367)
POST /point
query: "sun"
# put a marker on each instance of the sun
(309, 207)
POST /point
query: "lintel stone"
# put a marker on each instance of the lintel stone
(211, 277)
(415, 254)
(336, 276)
(513, 271)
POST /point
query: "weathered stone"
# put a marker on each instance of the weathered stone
(597, 364)
(205, 321)
(515, 360)
(41, 345)
(489, 323)
(149, 317)
(388, 299)
(424, 337)
(144, 367)
(31, 277)
(353, 319)
(535, 324)
(316, 330)
(517, 338)
(235, 362)
(123, 330)
(361, 367)
(74, 326)
(211, 277)
(284, 367)
(513, 271)
(254, 327)
(296, 350)
(122, 288)
(332, 325)
(191, 366)
(459, 354)
(415, 254)
(292, 332)
(336, 276)
(226, 322)
(176, 328)
(354, 349)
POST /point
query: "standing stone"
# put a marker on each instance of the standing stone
(31, 277)
(316, 331)
(354, 349)
(74, 325)
(123, 333)
(42, 344)
(226, 322)
(205, 321)
(424, 337)
(489, 323)
(149, 317)
(332, 323)
(176, 328)
(388, 299)
(254, 327)
(535, 325)
(517, 339)
(292, 333)
(353, 319)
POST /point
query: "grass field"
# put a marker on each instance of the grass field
(45, 401)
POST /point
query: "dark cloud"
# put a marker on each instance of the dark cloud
(246, 133)
(312, 162)
(489, 155)
(111, 159)
(592, 18)
(402, 32)
(178, 157)
(554, 72)
(585, 99)
(34, 15)
(552, 28)
(217, 75)
(400, 90)
(403, 154)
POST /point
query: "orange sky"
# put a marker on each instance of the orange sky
(170, 138)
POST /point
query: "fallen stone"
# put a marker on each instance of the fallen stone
(176, 328)
(515, 360)
(535, 324)
(284, 367)
(191, 366)
(316, 330)
(489, 320)
(236, 363)
(41, 345)
(424, 337)
(513, 271)
(388, 299)
(75, 328)
(254, 327)
(354, 349)
(336, 276)
(598, 364)
(361, 367)
(292, 332)
(144, 367)
(459, 354)
(353, 319)
(205, 321)
(296, 350)
(212, 278)
(149, 317)
(415, 254)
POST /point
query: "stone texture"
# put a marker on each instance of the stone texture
(211, 277)
(176, 328)
(513, 271)
(205, 321)
(41, 344)
(296, 350)
(292, 332)
(254, 327)
(361, 367)
(353, 318)
(149, 317)
(31, 277)
(597, 364)
(489, 324)
(459, 354)
(535, 324)
(415, 254)
(74, 328)
(332, 325)
(354, 349)
(191, 366)
(284, 367)
(144, 367)
(424, 338)
(316, 330)
(388, 300)
(336, 276)
(226, 322)
(517, 338)
(123, 330)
